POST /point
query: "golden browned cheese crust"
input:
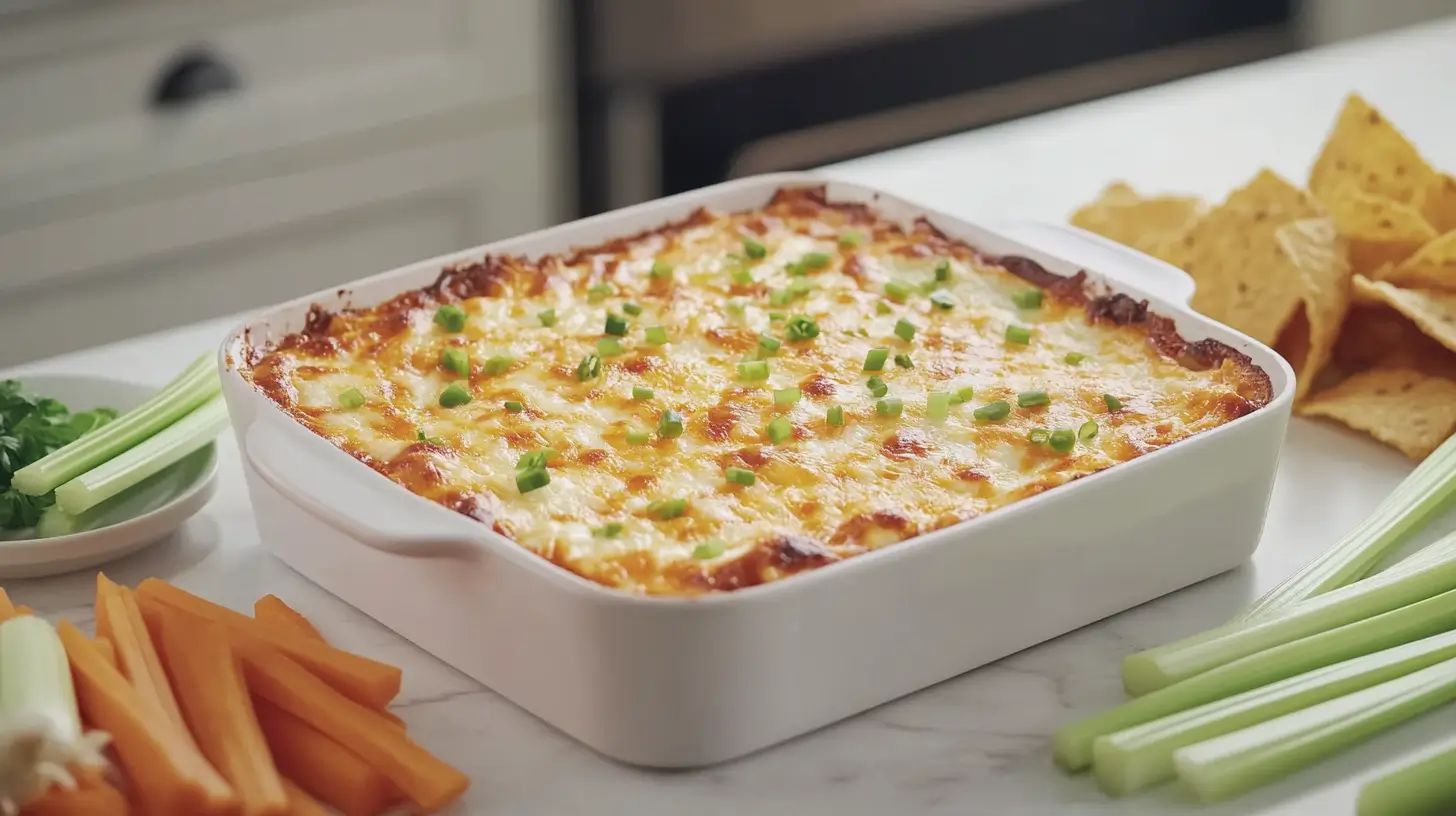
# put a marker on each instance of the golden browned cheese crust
(632, 506)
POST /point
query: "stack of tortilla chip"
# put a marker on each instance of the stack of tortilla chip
(1352, 280)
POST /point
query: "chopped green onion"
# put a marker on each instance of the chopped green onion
(937, 405)
(670, 424)
(777, 317)
(1028, 299)
(666, 509)
(835, 415)
(638, 437)
(1074, 357)
(849, 240)
(877, 386)
(898, 290)
(428, 440)
(1018, 334)
(801, 327)
(1088, 431)
(779, 429)
(547, 317)
(882, 308)
(535, 479)
(710, 549)
(610, 347)
(514, 407)
(454, 395)
(904, 361)
(753, 370)
(743, 276)
(632, 309)
(456, 360)
(962, 394)
(351, 398)
(778, 297)
(616, 325)
(1381, 592)
(599, 292)
(942, 271)
(735, 307)
(1072, 745)
(1113, 403)
(656, 335)
(928, 286)
(875, 359)
(786, 396)
(641, 393)
(538, 458)
(609, 530)
(993, 411)
(738, 475)
(754, 249)
(591, 366)
(497, 365)
(1038, 436)
(661, 269)
(905, 330)
(942, 299)
(1032, 399)
(450, 317)
(1062, 440)
(769, 343)
(815, 260)
(890, 406)
(799, 288)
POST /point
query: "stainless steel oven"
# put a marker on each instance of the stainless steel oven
(675, 94)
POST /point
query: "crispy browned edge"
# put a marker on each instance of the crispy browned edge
(786, 554)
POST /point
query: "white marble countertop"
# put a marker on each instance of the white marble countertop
(979, 743)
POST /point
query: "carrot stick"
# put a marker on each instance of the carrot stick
(167, 773)
(210, 688)
(366, 681)
(7, 609)
(322, 766)
(106, 650)
(429, 782)
(271, 609)
(118, 615)
(300, 803)
(92, 796)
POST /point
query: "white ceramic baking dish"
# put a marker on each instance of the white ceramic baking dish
(671, 682)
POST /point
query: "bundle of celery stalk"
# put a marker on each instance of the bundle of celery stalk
(121, 454)
(1332, 656)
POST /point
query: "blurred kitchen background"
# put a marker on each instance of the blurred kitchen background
(166, 161)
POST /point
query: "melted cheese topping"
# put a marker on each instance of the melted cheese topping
(825, 493)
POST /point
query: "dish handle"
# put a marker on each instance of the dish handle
(1107, 257)
(352, 498)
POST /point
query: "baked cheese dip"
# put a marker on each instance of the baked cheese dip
(737, 397)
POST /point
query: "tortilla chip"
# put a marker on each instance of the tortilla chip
(1244, 277)
(1434, 313)
(1438, 202)
(1379, 230)
(1376, 336)
(1366, 151)
(1145, 224)
(1433, 266)
(1406, 409)
(1307, 340)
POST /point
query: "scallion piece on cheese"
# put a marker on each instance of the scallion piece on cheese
(590, 367)
(962, 394)
(1088, 431)
(753, 370)
(1062, 440)
(1113, 403)
(904, 361)
(670, 424)
(656, 335)
(638, 437)
(534, 479)
(1038, 436)
(754, 249)
(850, 240)
(1020, 335)
(641, 393)
(351, 398)
(743, 276)
(942, 299)
(666, 509)
(547, 317)
(875, 359)
(815, 260)
(536, 458)
(898, 290)
(937, 405)
(993, 411)
(890, 406)
(1032, 399)
(661, 269)
(769, 343)
(777, 317)
(497, 365)
(802, 327)
(778, 297)
(616, 325)
(905, 330)
(632, 309)
(835, 415)
(710, 549)
(1027, 299)
(610, 347)
(515, 406)
(611, 529)
(877, 386)
(738, 475)
(882, 308)
(450, 317)
(1074, 358)
(786, 396)
(455, 395)
(599, 292)
(779, 430)
(942, 271)
(456, 360)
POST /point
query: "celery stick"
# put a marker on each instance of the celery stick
(1072, 745)
(1425, 788)
(1382, 592)
(1418, 498)
(1234, 763)
(186, 435)
(197, 384)
(1142, 756)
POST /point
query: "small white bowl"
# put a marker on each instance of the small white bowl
(137, 518)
